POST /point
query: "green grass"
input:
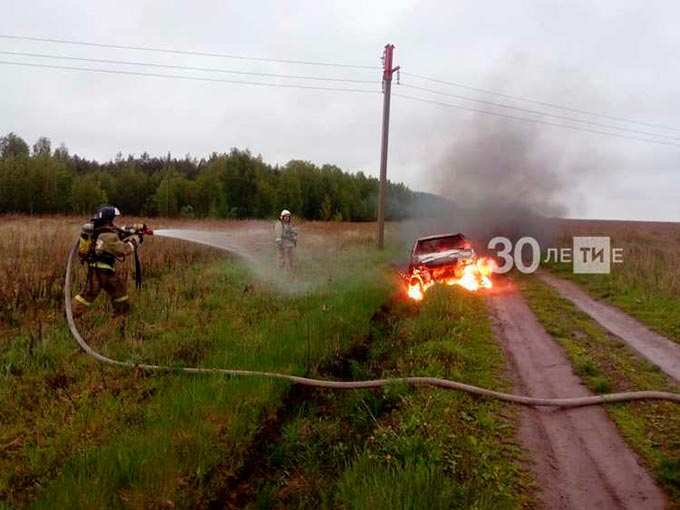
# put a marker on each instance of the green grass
(404, 447)
(90, 436)
(442, 449)
(642, 298)
(606, 365)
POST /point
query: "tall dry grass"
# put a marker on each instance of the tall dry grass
(34, 252)
(57, 404)
(651, 251)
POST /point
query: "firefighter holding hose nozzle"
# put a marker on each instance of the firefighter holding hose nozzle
(286, 239)
(101, 245)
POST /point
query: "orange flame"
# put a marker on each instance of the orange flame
(474, 277)
(415, 292)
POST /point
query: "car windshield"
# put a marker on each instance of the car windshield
(455, 242)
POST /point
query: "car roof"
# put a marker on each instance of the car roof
(439, 236)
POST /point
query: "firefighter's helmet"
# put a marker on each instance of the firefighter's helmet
(106, 213)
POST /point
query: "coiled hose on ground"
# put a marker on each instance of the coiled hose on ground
(352, 385)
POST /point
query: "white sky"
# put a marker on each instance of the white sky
(617, 56)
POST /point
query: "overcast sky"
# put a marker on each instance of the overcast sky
(616, 57)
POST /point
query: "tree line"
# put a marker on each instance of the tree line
(237, 184)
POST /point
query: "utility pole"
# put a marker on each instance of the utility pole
(387, 90)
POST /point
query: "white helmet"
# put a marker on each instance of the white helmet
(285, 212)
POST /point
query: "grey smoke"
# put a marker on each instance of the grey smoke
(501, 179)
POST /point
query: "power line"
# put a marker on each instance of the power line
(333, 64)
(536, 121)
(186, 52)
(338, 65)
(541, 103)
(185, 68)
(338, 89)
(539, 112)
(192, 78)
(274, 75)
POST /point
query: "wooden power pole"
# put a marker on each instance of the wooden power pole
(388, 70)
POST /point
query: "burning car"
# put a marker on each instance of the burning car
(446, 258)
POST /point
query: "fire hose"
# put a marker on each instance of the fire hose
(609, 398)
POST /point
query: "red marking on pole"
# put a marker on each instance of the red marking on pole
(387, 62)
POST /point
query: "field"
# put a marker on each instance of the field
(76, 434)
(647, 284)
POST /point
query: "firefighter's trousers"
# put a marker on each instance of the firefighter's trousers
(110, 282)
(286, 258)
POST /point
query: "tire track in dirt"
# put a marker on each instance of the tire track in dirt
(579, 458)
(657, 349)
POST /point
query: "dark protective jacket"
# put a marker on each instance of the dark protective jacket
(102, 246)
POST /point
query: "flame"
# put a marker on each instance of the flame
(415, 292)
(417, 288)
(475, 276)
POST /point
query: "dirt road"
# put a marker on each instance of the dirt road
(659, 350)
(579, 458)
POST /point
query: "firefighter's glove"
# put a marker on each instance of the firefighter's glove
(139, 229)
(133, 241)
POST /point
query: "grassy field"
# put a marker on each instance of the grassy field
(79, 435)
(647, 283)
(76, 434)
(32, 268)
(441, 449)
(606, 365)
(404, 447)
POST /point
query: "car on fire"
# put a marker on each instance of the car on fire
(440, 257)
(448, 259)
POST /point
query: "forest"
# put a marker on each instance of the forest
(236, 184)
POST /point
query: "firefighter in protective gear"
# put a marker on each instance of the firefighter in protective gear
(286, 239)
(101, 245)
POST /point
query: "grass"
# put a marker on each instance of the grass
(658, 310)
(77, 434)
(647, 284)
(80, 435)
(405, 447)
(32, 268)
(458, 448)
(606, 365)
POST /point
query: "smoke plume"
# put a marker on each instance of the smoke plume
(500, 179)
